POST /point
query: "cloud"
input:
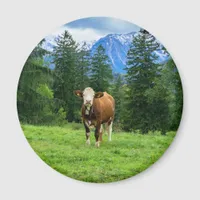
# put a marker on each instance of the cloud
(79, 34)
(94, 28)
(104, 24)
(87, 34)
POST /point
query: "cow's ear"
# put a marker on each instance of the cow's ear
(78, 93)
(98, 94)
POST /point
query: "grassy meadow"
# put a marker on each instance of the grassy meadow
(64, 149)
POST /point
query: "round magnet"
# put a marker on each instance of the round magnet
(100, 99)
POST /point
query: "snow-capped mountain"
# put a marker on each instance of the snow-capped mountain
(116, 46)
(87, 45)
(49, 42)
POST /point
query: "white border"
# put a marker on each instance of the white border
(23, 174)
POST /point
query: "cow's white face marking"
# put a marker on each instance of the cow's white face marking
(88, 97)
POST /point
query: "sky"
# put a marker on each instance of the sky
(93, 28)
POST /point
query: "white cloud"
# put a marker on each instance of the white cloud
(79, 35)
(84, 34)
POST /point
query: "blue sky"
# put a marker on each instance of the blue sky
(93, 28)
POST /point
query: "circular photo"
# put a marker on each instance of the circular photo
(100, 99)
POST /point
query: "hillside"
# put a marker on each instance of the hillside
(64, 149)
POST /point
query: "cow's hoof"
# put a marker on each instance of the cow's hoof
(88, 142)
(97, 144)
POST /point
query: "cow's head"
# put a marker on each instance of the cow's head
(88, 96)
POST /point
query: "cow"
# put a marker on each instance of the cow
(97, 109)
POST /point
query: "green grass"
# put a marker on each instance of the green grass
(64, 149)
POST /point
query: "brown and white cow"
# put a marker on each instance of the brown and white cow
(97, 109)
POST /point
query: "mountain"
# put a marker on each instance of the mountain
(88, 44)
(49, 43)
(116, 46)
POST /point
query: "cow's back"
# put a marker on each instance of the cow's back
(104, 107)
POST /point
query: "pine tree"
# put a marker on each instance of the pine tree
(65, 56)
(81, 78)
(38, 52)
(34, 95)
(141, 72)
(101, 72)
(166, 98)
(118, 94)
(82, 67)
(171, 80)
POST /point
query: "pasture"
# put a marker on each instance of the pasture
(64, 149)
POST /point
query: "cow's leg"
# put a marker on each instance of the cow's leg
(110, 130)
(87, 133)
(101, 133)
(97, 133)
(106, 128)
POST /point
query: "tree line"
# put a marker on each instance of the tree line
(148, 97)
